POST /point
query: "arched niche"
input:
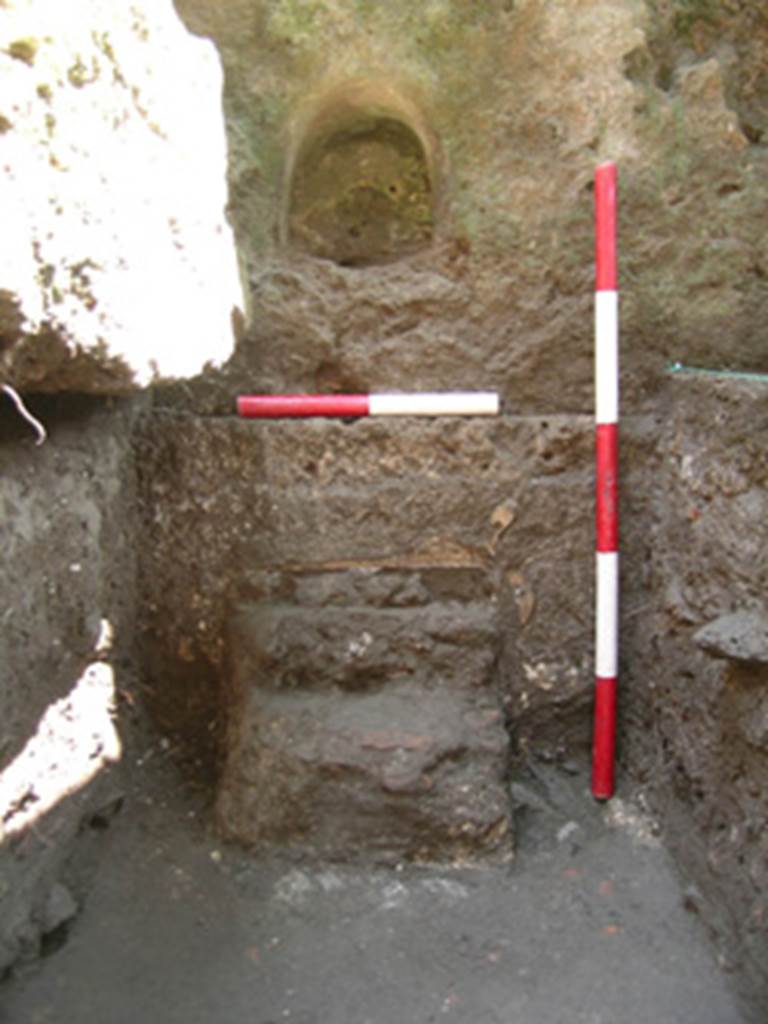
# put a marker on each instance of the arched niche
(361, 178)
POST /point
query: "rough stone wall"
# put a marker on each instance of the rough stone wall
(68, 543)
(695, 653)
(519, 102)
(432, 576)
(514, 103)
(68, 568)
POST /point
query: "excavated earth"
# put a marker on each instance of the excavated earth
(296, 714)
(590, 924)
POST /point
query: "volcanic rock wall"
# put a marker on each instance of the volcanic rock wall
(696, 568)
(409, 190)
(68, 603)
(368, 559)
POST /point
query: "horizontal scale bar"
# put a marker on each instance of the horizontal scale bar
(449, 403)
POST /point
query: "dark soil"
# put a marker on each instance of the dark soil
(589, 925)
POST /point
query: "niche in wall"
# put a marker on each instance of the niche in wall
(361, 190)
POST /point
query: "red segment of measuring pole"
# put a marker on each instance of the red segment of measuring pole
(605, 227)
(279, 406)
(604, 739)
(607, 486)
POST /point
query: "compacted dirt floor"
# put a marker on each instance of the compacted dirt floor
(588, 926)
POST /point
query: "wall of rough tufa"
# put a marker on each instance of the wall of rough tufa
(513, 102)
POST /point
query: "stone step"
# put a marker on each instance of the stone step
(330, 453)
(357, 647)
(395, 581)
(405, 773)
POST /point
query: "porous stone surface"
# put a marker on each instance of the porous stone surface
(676, 93)
(117, 266)
(406, 517)
(513, 105)
(364, 721)
(694, 679)
(67, 585)
(404, 772)
(356, 646)
(389, 559)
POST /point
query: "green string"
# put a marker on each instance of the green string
(698, 371)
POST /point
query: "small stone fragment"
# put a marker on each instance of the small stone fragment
(60, 908)
(741, 636)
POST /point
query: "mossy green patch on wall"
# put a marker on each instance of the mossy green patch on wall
(295, 21)
(685, 14)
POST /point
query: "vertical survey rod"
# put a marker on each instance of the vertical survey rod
(606, 483)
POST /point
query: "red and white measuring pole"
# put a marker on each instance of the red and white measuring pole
(606, 464)
(462, 403)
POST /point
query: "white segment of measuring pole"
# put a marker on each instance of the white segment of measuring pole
(469, 403)
(607, 357)
(607, 597)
